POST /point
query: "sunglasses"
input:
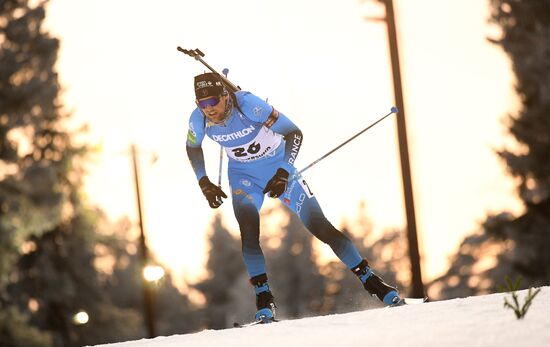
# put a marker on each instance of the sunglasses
(209, 102)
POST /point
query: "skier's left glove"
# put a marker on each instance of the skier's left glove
(212, 192)
(277, 184)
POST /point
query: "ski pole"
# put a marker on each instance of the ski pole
(197, 54)
(220, 169)
(393, 110)
(225, 72)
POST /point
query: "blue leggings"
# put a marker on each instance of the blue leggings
(247, 200)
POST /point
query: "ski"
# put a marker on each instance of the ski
(403, 302)
(409, 301)
(415, 301)
(262, 321)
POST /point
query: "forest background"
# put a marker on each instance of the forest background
(60, 255)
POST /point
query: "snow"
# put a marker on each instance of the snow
(472, 321)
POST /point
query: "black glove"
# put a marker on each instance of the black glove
(212, 192)
(277, 184)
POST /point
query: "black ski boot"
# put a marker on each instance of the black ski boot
(265, 302)
(376, 286)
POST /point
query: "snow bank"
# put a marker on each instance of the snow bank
(472, 321)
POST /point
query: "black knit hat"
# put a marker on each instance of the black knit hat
(207, 85)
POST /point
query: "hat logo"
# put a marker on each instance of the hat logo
(204, 92)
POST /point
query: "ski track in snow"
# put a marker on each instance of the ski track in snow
(470, 322)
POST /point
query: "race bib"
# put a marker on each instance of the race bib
(263, 145)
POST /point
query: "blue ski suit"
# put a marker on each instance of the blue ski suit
(258, 140)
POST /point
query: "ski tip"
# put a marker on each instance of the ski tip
(256, 322)
(394, 109)
(414, 301)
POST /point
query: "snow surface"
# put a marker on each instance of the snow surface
(472, 321)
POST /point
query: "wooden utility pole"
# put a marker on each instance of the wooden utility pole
(148, 304)
(414, 254)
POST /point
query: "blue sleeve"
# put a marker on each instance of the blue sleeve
(293, 139)
(196, 157)
(195, 135)
(254, 108)
(283, 125)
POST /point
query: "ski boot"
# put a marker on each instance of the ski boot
(376, 286)
(264, 300)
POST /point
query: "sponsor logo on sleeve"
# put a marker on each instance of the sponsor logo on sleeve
(296, 143)
(192, 137)
(257, 111)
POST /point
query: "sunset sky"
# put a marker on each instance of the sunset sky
(326, 67)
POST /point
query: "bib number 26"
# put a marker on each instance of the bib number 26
(243, 152)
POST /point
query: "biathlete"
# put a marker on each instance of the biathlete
(262, 145)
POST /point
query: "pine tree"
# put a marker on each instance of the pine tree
(50, 239)
(35, 153)
(526, 39)
(508, 245)
(224, 267)
(525, 28)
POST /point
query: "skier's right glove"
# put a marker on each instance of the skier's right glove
(212, 192)
(277, 184)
